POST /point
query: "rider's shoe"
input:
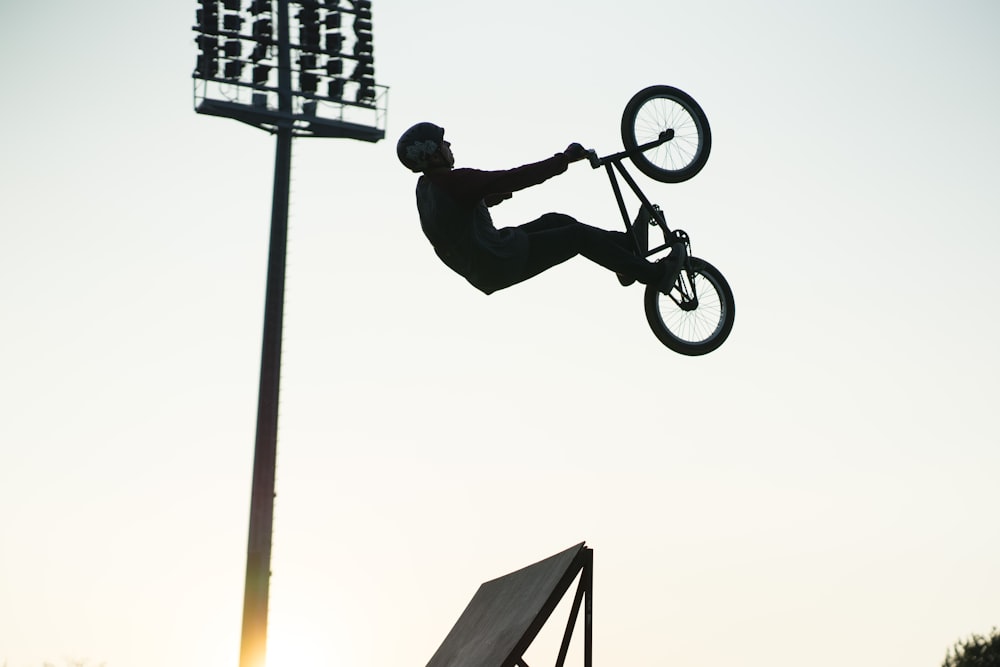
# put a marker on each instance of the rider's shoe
(671, 267)
(624, 280)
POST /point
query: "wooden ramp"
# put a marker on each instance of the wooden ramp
(506, 614)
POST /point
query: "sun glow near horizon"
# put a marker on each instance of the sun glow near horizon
(297, 640)
(296, 649)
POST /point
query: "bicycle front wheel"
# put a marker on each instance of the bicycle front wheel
(658, 109)
(696, 317)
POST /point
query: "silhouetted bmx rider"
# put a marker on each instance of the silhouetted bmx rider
(453, 214)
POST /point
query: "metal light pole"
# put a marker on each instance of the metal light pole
(233, 84)
(253, 644)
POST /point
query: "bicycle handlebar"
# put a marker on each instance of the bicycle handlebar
(596, 161)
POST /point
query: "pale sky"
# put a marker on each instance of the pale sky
(822, 488)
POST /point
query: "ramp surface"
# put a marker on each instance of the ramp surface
(505, 614)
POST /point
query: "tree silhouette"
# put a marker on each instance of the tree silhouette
(976, 651)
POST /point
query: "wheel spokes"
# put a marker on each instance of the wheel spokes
(658, 115)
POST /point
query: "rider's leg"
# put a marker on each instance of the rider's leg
(555, 238)
(551, 221)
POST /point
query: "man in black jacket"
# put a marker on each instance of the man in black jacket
(454, 217)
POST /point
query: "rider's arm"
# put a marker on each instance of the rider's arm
(493, 200)
(472, 185)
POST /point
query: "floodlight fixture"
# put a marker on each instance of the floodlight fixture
(262, 29)
(233, 69)
(363, 70)
(333, 43)
(308, 82)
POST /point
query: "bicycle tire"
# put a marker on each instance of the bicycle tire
(697, 330)
(657, 109)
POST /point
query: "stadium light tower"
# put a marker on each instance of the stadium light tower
(301, 68)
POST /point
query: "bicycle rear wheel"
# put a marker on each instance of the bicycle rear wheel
(697, 316)
(659, 109)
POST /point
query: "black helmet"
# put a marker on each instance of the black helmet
(418, 144)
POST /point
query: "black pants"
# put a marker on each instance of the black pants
(555, 238)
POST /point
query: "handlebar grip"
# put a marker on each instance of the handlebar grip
(595, 161)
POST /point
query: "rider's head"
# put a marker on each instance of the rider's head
(423, 147)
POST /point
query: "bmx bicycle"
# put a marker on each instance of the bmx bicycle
(667, 137)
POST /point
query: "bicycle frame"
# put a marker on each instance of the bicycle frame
(687, 298)
(638, 233)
